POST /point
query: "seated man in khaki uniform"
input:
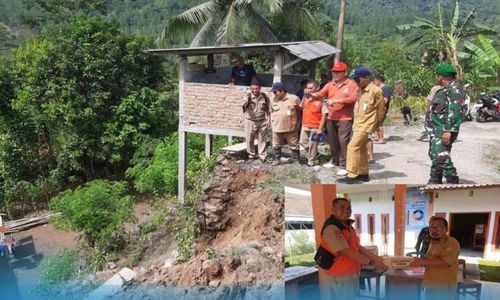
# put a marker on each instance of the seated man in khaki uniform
(284, 111)
(441, 263)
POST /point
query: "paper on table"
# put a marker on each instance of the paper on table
(415, 271)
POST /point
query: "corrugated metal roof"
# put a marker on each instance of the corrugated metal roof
(465, 186)
(311, 50)
(306, 50)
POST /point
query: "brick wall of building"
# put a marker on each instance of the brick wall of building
(214, 106)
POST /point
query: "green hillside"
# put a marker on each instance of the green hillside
(371, 19)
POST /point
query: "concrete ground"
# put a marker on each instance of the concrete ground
(404, 159)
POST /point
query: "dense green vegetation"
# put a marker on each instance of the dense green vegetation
(84, 111)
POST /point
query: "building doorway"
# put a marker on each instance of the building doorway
(471, 231)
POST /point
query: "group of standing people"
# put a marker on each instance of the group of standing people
(351, 111)
(347, 109)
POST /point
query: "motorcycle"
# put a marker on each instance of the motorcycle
(489, 108)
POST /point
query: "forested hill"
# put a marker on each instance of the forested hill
(374, 18)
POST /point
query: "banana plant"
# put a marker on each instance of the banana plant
(446, 39)
(485, 58)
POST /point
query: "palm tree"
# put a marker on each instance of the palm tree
(224, 22)
(446, 39)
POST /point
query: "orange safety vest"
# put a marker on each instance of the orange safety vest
(311, 114)
(343, 265)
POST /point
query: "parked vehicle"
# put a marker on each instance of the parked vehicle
(489, 108)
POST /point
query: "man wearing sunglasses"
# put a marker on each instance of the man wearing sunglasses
(368, 115)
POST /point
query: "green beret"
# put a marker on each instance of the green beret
(445, 69)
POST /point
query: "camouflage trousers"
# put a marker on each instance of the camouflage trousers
(441, 164)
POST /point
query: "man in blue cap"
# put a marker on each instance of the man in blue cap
(368, 115)
(446, 112)
(284, 111)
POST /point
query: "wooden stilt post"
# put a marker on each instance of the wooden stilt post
(278, 66)
(208, 145)
(399, 219)
(312, 70)
(181, 185)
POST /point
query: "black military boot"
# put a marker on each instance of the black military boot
(296, 155)
(276, 156)
(452, 179)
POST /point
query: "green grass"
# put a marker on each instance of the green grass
(292, 174)
(305, 260)
(489, 270)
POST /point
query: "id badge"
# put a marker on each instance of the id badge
(365, 106)
(289, 111)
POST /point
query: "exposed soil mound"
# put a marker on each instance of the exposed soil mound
(240, 241)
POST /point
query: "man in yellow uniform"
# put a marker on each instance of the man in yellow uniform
(369, 113)
(441, 262)
(339, 238)
(284, 111)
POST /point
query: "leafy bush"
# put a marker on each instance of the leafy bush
(184, 227)
(98, 210)
(489, 270)
(56, 271)
(301, 244)
(417, 104)
(154, 166)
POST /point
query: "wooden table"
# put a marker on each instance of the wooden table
(401, 285)
(301, 283)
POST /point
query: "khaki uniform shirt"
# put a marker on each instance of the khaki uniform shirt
(369, 109)
(256, 109)
(284, 113)
(446, 249)
(334, 238)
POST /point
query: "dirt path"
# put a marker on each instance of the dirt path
(404, 159)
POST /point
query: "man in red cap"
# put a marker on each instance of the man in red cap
(341, 93)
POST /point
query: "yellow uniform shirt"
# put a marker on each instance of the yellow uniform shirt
(369, 109)
(446, 249)
(284, 113)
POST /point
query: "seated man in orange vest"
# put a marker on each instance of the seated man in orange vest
(314, 112)
(339, 238)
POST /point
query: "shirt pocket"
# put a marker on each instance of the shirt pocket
(261, 105)
(275, 107)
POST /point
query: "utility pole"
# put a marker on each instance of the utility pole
(340, 32)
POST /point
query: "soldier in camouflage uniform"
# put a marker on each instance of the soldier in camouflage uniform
(446, 113)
